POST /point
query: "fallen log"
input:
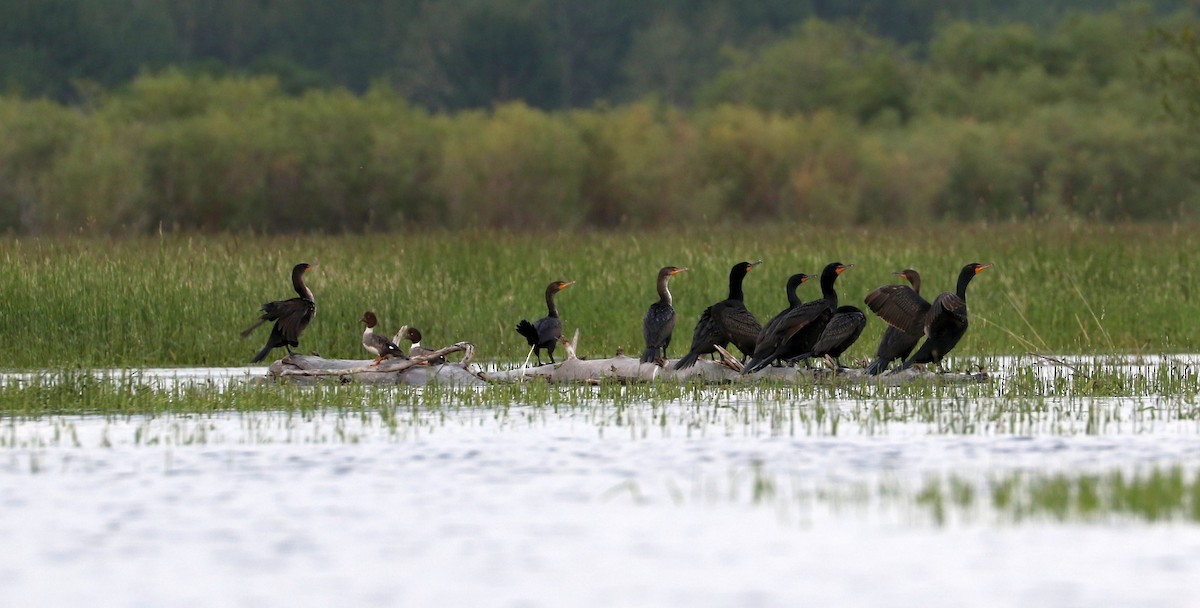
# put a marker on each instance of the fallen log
(413, 371)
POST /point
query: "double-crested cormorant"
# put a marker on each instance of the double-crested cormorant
(768, 339)
(290, 316)
(800, 328)
(548, 329)
(943, 322)
(843, 329)
(378, 344)
(724, 322)
(896, 343)
(413, 335)
(659, 321)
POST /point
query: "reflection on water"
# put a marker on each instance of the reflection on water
(720, 498)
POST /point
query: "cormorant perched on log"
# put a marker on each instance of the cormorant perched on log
(768, 339)
(800, 328)
(724, 322)
(896, 343)
(548, 329)
(378, 344)
(843, 329)
(659, 321)
(943, 322)
(290, 316)
(413, 335)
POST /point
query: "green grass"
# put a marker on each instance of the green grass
(1109, 399)
(1170, 493)
(181, 300)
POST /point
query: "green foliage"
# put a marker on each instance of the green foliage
(827, 124)
(476, 53)
(1172, 63)
(177, 300)
(516, 167)
(641, 168)
(33, 137)
(822, 66)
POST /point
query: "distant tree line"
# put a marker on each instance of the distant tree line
(827, 123)
(455, 54)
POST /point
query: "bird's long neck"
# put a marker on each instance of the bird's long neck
(664, 294)
(301, 289)
(964, 279)
(793, 299)
(735, 284)
(551, 307)
(827, 290)
(916, 284)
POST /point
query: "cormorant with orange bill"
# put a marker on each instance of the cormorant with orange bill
(896, 343)
(724, 322)
(770, 336)
(800, 329)
(659, 321)
(544, 334)
(944, 322)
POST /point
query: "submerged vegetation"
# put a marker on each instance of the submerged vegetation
(1114, 395)
(72, 409)
(1157, 494)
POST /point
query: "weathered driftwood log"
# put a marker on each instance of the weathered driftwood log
(573, 370)
(725, 370)
(621, 368)
(412, 371)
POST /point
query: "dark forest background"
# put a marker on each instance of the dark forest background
(126, 116)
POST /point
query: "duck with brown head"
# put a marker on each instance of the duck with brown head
(378, 344)
(413, 335)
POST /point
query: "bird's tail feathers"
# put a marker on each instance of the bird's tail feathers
(525, 328)
(262, 354)
(246, 332)
(754, 365)
(687, 360)
(877, 366)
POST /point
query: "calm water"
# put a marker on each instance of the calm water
(702, 504)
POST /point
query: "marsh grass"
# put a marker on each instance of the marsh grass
(1153, 494)
(1162, 493)
(1092, 398)
(181, 300)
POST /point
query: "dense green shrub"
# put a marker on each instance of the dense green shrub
(830, 125)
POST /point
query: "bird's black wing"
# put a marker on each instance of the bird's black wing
(549, 329)
(948, 312)
(841, 331)
(739, 323)
(802, 317)
(781, 341)
(900, 307)
(292, 316)
(658, 324)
